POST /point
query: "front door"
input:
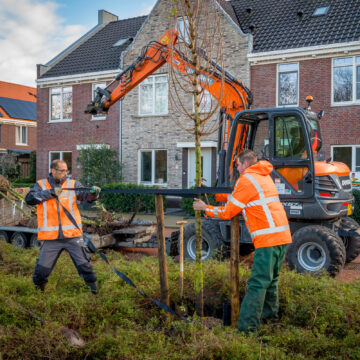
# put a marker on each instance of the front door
(205, 167)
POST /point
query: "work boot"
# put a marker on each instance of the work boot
(40, 287)
(93, 287)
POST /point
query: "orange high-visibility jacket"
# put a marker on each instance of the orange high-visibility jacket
(48, 214)
(255, 195)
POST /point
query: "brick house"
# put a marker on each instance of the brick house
(17, 123)
(282, 50)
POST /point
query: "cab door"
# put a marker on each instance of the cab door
(291, 155)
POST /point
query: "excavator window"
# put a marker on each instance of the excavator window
(290, 145)
(289, 138)
(261, 143)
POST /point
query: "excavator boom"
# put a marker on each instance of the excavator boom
(232, 95)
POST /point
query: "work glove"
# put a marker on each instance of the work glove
(95, 190)
(57, 191)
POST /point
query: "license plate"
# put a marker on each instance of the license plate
(349, 209)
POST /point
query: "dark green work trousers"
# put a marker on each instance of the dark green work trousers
(261, 299)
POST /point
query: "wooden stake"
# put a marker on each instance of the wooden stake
(164, 285)
(234, 270)
(181, 257)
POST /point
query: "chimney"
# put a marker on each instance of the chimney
(105, 17)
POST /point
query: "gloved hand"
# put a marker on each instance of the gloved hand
(95, 189)
(57, 191)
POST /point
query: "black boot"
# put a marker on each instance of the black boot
(93, 287)
(40, 287)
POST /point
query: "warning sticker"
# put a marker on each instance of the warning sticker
(280, 187)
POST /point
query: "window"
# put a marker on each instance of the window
(21, 135)
(94, 87)
(346, 80)
(183, 29)
(347, 154)
(205, 102)
(153, 99)
(288, 84)
(153, 167)
(61, 155)
(321, 11)
(289, 138)
(61, 104)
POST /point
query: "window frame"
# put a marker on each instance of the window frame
(354, 101)
(93, 88)
(62, 92)
(153, 151)
(353, 154)
(61, 157)
(278, 72)
(180, 28)
(154, 113)
(19, 135)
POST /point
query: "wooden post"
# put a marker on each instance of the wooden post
(164, 285)
(234, 270)
(181, 257)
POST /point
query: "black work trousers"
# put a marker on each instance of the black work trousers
(50, 252)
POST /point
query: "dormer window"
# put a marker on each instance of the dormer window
(321, 10)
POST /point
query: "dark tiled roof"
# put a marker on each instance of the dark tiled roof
(19, 109)
(98, 53)
(278, 25)
(226, 5)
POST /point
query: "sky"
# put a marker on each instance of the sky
(35, 31)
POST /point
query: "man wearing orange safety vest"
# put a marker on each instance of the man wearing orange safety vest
(256, 197)
(59, 224)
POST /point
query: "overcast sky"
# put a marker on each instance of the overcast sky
(34, 31)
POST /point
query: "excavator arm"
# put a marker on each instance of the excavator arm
(232, 95)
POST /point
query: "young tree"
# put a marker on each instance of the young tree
(200, 42)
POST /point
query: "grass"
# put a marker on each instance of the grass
(320, 317)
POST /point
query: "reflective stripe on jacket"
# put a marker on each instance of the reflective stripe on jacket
(255, 195)
(49, 214)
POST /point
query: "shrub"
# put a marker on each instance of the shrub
(99, 165)
(356, 214)
(9, 167)
(127, 202)
(32, 176)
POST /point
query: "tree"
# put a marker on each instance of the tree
(200, 40)
(99, 165)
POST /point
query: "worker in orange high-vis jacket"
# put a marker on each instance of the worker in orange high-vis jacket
(59, 224)
(256, 197)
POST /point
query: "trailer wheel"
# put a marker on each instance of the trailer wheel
(315, 249)
(4, 236)
(246, 249)
(19, 239)
(352, 243)
(34, 242)
(211, 241)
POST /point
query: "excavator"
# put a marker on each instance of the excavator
(316, 194)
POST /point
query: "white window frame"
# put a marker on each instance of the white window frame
(19, 135)
(94, 86)
(61, 104)
(61, 156)
(278, 72)
(154, 113)
(152, 167)
(355, 63)
(353, 154)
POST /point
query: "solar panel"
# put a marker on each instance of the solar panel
(19, 109)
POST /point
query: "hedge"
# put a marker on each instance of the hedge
(127, 202)
(356, 213)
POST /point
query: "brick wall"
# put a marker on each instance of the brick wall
(64, 136)
(8, 138)
(339, 125)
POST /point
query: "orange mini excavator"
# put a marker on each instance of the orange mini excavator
(316, 194)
